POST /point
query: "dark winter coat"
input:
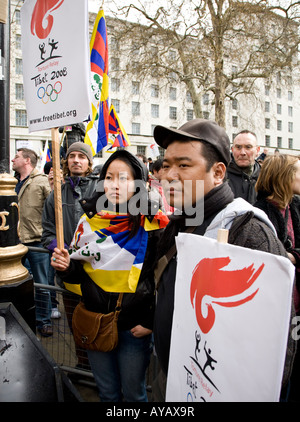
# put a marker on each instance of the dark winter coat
(246, 231)
(278, 221)
(243, 185)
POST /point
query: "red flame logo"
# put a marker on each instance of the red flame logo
(209, 279)
(42, 19)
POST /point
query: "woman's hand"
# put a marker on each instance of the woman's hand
(139, 331)
(60, 259)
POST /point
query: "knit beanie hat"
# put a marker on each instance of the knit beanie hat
(81, 147)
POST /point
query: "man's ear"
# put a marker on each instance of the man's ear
(219, 171)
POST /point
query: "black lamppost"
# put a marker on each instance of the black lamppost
(16, 284)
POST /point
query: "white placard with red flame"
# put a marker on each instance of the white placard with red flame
(230, 324)
(56, 63)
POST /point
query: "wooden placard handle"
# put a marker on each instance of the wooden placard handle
(223, 236)
(57, 188)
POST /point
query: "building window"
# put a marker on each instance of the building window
(114, 43)
(267, 140)
(278, 77)
(234, 121)
(205, 99)
(234, 104)
(172, 55)
(18, 42)
(19, 66)
(234, 69)
(189, 114)
(290, 96)
(135, 108)
(290, 127)
(173, 113)
(267, 123)
(279, 108)
(189, 97)
(115, 85)
(154, 110)
(18, 17)
(290, 111)
(173, 76)
(19, 92)
(279, 142)
(154, 91)
(279, 125)
(135, 88)
(173, 93)
(115, 63)
(136, 128)
(267, 90)
(21, 118)
(267, 107)
(116, 104)
(291, 143)
(278, 92)
(141, 149)
(135, 49)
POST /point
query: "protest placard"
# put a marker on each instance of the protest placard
(230, 324)
(56, 62)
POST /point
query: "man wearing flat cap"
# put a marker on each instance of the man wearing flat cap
(200, 151)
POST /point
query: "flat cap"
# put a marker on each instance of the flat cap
(198, 130)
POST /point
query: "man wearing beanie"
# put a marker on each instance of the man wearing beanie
(79, 182)
(200, 151)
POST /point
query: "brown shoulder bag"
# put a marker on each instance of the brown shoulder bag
(96, 331)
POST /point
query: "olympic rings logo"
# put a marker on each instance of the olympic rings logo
(50, 92)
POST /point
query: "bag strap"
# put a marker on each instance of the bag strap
(165, 259)
(119, 301)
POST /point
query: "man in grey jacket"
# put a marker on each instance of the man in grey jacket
(79, 182)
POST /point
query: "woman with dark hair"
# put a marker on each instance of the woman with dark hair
(112, 252)
(278, 187)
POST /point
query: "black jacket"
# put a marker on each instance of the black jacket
(242, 185)
(137, 308)
(246, 231)
(277, 219)
(71, 194)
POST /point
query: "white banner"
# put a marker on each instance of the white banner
(230, 323)
(56, 63)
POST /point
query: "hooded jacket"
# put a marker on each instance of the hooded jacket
(137, 308)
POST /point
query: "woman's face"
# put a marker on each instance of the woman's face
(296, 181)
(119, 184)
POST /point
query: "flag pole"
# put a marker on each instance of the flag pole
(57, 188)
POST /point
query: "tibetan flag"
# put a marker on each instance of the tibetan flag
(110, 258)
(97, 129)
(116, 128)
(46, 155)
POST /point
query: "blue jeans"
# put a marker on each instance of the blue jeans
(37, 264)
(120, 374)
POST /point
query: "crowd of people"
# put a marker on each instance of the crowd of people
(128, 212)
